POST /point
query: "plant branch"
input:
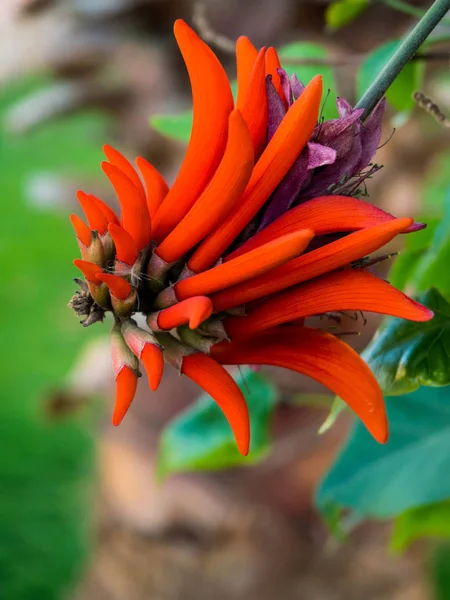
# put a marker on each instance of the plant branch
(406, 51)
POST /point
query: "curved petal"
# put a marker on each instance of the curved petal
(276, 160)
(212, 104)
(126, 384)
(155, 185)
(255, 109)
(94, 214)
(326, 214)
(272, 66)
(110, 215)
(118, 160)
(353, 289)
(218, 198)
(126, 248)
(192, 312)
(245, 267)
(119, 287)
(82, 231)
(246, 55)
(153, 361)
(219, 384)
(320, 356)
(90, 270)
(333, 256)
(135, 215)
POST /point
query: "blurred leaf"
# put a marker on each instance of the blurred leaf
(404, 355)
(311, 400)
(341, 12)
(200, 438)
(440, 572)
(303, 51)
(336, 408)
(400, 92)
(410, 470)
(177, 127)
(44, 469)
(431, 521)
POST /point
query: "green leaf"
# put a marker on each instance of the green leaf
(336, 408)
(431, 521)
(176, 127)
(341, 12)
(411, 470)
(407, 82)
(404, 355)
(309, 51)
(200, 438)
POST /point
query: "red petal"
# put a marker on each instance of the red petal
(92, 210)
(82, 231)
(90, 270)
(192, 312)
(126, 249)
(338, 291)
(219, 384)
(272, 66)
(326, 214)
(246, 55)
(245, 267)
(135, 215)
(255, 111)
(318, 355)
(276, 160)
(118, 160)
(110, 215)
(126, 384)
(155, 185)
(153, 361)
(327, 258)
(212, 104)
(219, 197)
(119, 287)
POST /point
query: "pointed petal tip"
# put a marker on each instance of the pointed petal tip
(153, 361)
(126, 384)
(119, 287)
(416, 226)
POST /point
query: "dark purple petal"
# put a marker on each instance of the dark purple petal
(344, 108)
(329, 131)
(286, 85)
(276, 110)
(319, 156)
(296, 86)
(371, 134)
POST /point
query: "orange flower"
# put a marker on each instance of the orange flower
(193, 257)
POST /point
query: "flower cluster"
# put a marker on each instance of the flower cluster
(258, 232)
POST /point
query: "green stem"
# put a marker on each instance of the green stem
(406, 51)
(408, 9)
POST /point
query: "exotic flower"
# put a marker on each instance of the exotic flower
(259, 231)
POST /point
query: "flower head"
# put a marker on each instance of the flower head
(259, 232)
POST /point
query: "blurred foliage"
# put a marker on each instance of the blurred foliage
(410, 470)
(341, 12)
(44, 466)
(201, 439)
(440, 572)
(430, 521)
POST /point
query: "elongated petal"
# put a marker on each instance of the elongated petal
(153, 361)
(119, 287)
(118, 160)
(272, 66)
(94, 214)
(320, 356)
(276, 160)
(135, 215)
(245, 267)
(82, 231)
(246, 55)
(126, 248)
(155, 185)
(126, 384)
(327, 258)
(212, 104)
(326, 214)
(352, 289)
(90, 270)
(220, 196)
(110, 215)
(192, 312)
(255, 109)
(219, 384)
